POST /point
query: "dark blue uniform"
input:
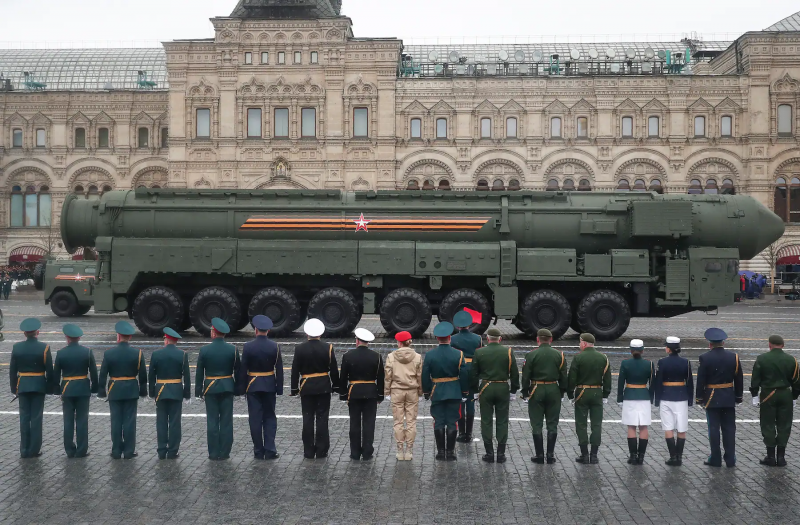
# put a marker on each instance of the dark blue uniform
(673, 369)
(261, 379)
(720, 388)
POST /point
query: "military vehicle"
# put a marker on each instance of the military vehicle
(66, 285)
(178, 258)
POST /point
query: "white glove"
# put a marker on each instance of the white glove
(756, 401)
(188, 401)
(605, 400)
(618, 403)
(512, 397)
(525, 399)
(94, 396)
(475, 396)
(738, 405)
(387, 398)
(463, 399)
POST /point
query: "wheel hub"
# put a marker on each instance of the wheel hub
(332, 314)
(156, 312)
(605, 316)
(546, 316)
(274, 312)
(405, 314)
(213, 310)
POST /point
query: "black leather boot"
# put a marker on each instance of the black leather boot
(780, 461)
(632, 450)
(461, 423)
(673, 454)
(679, 450)
(593, 455)
(470, 423)
(501, 453)
(439, 435)
(489, 456)
(450, 452)
(770, 459)
(584, 457)
(641, 452)
(551, 447)
(538, 445)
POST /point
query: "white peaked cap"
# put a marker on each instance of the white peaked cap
(637, 343)
(364, 335)
(314, 328)
(671, 340)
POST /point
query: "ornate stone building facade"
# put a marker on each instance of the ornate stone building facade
(302, 103)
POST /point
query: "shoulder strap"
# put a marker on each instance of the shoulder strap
(737, 364)
(509, 362)
(44, 355)
(330, 353)
(139, 362)
(607, 365)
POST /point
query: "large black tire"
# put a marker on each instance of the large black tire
(156, 308)
(405, 310)
(604, 314)
(574, 323)
(64, 303)
(212, 302)
(300, 320)
(83, 310)
(38, 276)
(337, 309)
(281, 306)
(545, 309)
(457, 300)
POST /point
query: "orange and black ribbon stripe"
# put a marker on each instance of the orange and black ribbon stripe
(382, 223)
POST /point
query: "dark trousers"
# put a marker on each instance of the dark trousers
(494, 400)
(589, 408)
(76, 423)
(315, 410)
(776, 417)
(722, 419)
(219, 425)
(168, 427)
(123, 427)
(263, 422)
(445, 414)
(545, 404)
(31, 408)
(362, 427)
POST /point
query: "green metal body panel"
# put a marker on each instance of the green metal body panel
(72, 276)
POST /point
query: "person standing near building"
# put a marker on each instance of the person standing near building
(467, 342)
(673, 391)
(261, 380)
(31, 374)
(217, 367)
(125, 369)
(589, 384)
(403, 388)
(634, 393)
(170, 384)
(361, 386)
(446, 384)
(544, 382)
(493, 368)
(777, 378)
(720, 388)
(314, 375)
(7, 282)
(75, 373)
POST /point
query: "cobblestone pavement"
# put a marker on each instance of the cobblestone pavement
(53, 489)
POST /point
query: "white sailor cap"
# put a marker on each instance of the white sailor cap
(314, 328)
(362, 334)
(637, 343)
(671, 340)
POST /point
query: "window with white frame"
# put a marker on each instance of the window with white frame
(511, 128)
(555, 127)
(298, 57)
(16, 138)
(265, 57)
(785, 120)
(486, 128)
(314, 57)
(80, 138)
(203, 123)
(627, 127)
(653, 127)
(360, 122)
(281, 57)
(254, 123)
(282, 122)
(699, 126)
(441, 128)
(309, 122)
(416, 128)
(41, 138)
(726, 126)
(583, 128)
(248, 58)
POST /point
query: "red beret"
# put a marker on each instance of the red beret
(402, 337)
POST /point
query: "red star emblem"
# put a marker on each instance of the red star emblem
(361, 223)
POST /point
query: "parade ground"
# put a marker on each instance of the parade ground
(53, 489)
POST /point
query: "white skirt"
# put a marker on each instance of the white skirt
(674, 415)
(636, 413)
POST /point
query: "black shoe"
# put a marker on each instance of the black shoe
(366, 458)
(633, 451)
(780, 461)
(501, 453)
(466, 436)
(115, 457)
(538, 446)
(162, 457)
(83, 456)
(593, 455)
(584, 457)
(307, 456)
(641, 451)
(134, 455)
(551, 447)
(489, 456)
(450, 449)
(710, 463)
(258, 456)
(672, 461)
(770, 459)
(270, 457)
(730, 465)
(355, 458)
(439, 435)
(174, 456)
(322, 456)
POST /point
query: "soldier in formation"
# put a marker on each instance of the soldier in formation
(673, 393)
(468, 343)
(634, 393)
(125, 372)
(361, 386)
(403, 388)
(493, 367)
(75, 374)
(544, 383)
(589, 384)
(170, 385)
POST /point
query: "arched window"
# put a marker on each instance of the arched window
(728, 187)
(711, 187)
(156, 187)
(555, 127)
(416, 128)
(787, 199)
(412, 185)
(569, 185)
(444, 185)
(585, 185)
(427, 185)
(511, 128)
(639, 185)
(483, 185)
(106, 188)
(655, 185)
(30, 208)
(498, 185)
(552, 185)
(79, 189)
(623, 185)
(695, 187)
(514, 185)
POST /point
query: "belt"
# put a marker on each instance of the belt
(537, 383)
(674, 383)
(68, 379)
(213, 380)
(115, 379)
(721, 385)
(627, 385)
(309, 376)
(165, 382)
(487, 383)
(438, 380)
(255, 375)
(583, 389)
(772, 393)
(353, 383)
(28, 374)
(467, 359)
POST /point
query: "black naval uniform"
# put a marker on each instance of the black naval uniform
(31, 374)
(126, 371)
(170, 384)
(316, 363)
(75, 370)
(261, 379)
(720, 387)
(361, 385)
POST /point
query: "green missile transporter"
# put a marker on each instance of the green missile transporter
(590, 261)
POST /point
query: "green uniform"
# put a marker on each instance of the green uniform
(445, 379)
(170, 384)
(635, 380)
(467, 342)
(777, 377)
(31, 374)
(217, 365)
(75, 371)
(126, 371)
(590, 368)
(494, 365)
(544, 381)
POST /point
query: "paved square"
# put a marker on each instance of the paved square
(53, 489)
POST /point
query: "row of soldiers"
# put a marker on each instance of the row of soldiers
(459, 371)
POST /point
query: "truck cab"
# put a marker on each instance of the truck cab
(68, 286)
